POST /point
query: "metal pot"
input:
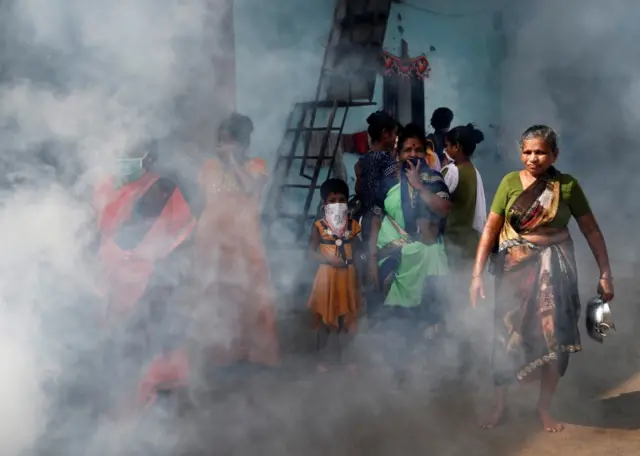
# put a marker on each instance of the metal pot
(599, 319)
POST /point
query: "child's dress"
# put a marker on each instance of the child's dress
(335, 297)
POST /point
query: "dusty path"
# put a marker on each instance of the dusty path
(294, 412)
(302, 414)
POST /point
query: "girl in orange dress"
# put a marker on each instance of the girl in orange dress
(238, 302)
(335, 298)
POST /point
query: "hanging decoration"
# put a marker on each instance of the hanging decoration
(417, 67)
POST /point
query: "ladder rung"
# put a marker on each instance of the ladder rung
(323, 104)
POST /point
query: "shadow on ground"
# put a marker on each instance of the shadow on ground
(620, 412)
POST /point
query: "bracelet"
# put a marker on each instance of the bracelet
(607, 279)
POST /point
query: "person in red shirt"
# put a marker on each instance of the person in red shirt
(145, 228)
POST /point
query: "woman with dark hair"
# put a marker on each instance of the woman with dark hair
(406, 252)
(230, 257)
(537, 303)
(376, 164)
(462, 232)
(468, 205)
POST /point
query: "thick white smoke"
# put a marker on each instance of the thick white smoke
(82, 82)
(573, 65)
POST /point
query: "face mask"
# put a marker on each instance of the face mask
(335, 215)
(130, 169)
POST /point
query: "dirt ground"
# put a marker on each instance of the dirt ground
(297, 412)
(292, 411)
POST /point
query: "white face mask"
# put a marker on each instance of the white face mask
(335, 215)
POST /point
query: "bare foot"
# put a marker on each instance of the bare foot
(548, 423)
(496, 418)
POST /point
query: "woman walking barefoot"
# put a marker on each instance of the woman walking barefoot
(537, 304)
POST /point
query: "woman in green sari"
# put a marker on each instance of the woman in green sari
(537, 304)
(407, 257)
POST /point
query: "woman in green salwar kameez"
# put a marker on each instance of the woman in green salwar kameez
(406, 247)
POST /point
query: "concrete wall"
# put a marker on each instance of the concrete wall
(465, 66)
(280, 47)
(279, 51)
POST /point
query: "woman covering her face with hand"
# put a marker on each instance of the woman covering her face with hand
(230, 257)
(537, 304)
(406, 251)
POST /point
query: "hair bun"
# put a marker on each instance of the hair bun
(476, 134)
(373, 117)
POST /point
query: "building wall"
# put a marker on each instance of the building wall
(279, 51)
(465, 53)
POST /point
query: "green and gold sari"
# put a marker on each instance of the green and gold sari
(537, 304)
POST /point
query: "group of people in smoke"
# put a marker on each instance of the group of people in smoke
(424, 231)
(168, 254)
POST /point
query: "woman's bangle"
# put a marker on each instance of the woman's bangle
(606, 278)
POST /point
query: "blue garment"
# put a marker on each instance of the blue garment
(413, 207)
(374, 166)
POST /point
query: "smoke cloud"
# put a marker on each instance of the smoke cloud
(84, 81)
(573, 66)
(81, 83)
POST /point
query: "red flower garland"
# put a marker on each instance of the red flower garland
(416, 67)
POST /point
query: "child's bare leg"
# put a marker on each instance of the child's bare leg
(322, 340)
(548, 384)
(497, 414)
(345, 337)
(347, 359)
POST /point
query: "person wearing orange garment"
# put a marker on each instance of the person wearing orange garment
(235, 285)
(336, 296)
